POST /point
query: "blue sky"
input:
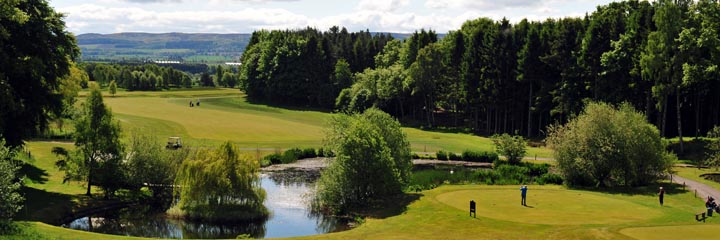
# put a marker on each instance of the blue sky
(245, 16)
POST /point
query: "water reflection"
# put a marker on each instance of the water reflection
(287, 199)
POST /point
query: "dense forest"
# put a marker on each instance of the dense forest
(497, 76)
(300, 66)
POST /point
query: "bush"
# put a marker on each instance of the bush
(512, 147)
(308, 153)
(608, 146)
(474, 156)
(320, 152)
(454, 157)
(291, 155)
(441, 155)
(274, 158)
(549, 178)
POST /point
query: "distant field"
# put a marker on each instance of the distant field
(225, 114)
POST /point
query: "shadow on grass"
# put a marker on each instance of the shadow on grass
(43, 206)
(35, 174)
(389, 207)
(650, 190)
(288, 106)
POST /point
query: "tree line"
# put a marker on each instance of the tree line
(498, 77)
(298, 66)
(138, 77)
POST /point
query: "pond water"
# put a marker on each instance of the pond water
(287, 200)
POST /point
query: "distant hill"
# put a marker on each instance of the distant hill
(207, 48)
(185, 47)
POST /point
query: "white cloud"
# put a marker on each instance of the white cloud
(481, 4)
(233, 16)
(382, 5)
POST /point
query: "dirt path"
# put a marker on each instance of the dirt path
(702, 190)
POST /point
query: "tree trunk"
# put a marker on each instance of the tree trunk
(90, 172)
(529, 123)
(679, 120)
(697, 116)
(664, 117)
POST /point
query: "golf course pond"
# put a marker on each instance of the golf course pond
(287, 200)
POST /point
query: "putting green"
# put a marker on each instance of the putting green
(705, 231)
(548, 205)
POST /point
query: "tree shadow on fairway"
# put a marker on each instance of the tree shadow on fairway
(295, 106)
(35, 174)
(650, 190)
(389, 207)
(44, 206)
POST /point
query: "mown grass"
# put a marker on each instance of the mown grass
(225, 114)
(554, 213)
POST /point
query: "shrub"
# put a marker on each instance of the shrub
(549, 178)
(308, 153)
(291, 155)
(512, 147)
(274, 158)
(441, 155)
(320, 152)
(474, 156)
(454, 157)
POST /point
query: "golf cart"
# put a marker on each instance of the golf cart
(174, 143)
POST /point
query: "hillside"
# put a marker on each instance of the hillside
(186, 47)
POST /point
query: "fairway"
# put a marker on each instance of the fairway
(225, 114)
(550, 205)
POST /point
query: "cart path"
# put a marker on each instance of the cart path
(703, 190)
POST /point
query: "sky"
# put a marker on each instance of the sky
(246, 16)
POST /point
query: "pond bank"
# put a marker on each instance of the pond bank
(317, 164)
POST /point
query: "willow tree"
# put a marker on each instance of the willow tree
(220, 185)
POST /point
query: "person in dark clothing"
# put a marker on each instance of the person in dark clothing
(661, 195)
(523, 194)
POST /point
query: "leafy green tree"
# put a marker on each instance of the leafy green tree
(372, 161)
(10, 198)
(36, 53)
(148, 163)
(229, 79)
(97, 137)
(425, 76)
(112, 87)
(713, 149)
(342, 75)
(605, 146)
(206, 80)
(512, 147)
(219, 76)
(220, 184)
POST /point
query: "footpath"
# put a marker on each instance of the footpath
(702, 189)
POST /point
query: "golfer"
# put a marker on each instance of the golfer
(661, 195)
(523, 194)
